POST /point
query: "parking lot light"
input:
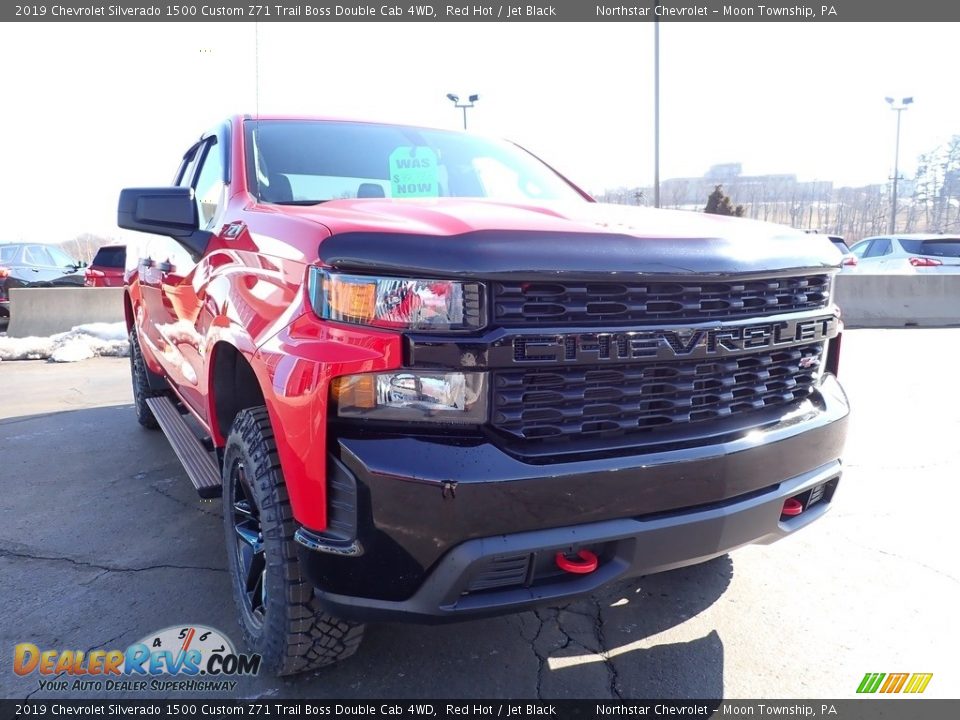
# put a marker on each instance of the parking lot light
(899, 107)
(455, 99)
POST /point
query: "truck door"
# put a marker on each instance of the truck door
(172, 298)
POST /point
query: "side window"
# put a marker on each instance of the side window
(146, 248)
(878, 247)
(166, 250)
(208, 187)
(188, 165)
(37, 255)
(60, 258)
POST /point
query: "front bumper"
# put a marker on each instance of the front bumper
(448, 529)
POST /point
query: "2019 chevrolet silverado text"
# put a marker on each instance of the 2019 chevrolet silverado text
(433, 379)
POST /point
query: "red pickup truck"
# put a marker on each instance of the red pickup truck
(433, 379)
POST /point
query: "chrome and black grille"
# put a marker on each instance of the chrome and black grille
(532, 304)
(557, 402)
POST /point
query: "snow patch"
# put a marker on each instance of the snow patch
(79, 343)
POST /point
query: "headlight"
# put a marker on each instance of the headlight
(398, 303)
(413, 395)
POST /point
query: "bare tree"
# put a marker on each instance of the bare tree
(84, 246)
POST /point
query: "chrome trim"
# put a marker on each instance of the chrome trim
(315, 541)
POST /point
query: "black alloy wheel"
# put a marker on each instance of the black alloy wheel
(280, 617)
(249, 547)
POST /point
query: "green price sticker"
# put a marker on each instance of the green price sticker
(414, 172)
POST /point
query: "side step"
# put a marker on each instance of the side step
(196, 460)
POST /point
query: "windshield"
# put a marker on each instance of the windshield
(941, 247)
(311, 161)
(114, 257)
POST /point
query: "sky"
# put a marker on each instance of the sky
(88, 108)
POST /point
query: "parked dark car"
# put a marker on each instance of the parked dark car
(35, 265)
(106, 270)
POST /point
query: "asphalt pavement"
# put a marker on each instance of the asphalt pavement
(103, 540)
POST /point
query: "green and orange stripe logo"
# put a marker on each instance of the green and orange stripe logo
(894, 682)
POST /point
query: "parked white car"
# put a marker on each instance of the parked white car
(849, 262)
(908, 253)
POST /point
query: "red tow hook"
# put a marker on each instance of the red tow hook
(792, 507)
(586, 562)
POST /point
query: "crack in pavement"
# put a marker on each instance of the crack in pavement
(190, 506)
(911, 561)
(9, 552)
(554, 617)
(607, 660)
(540, 659)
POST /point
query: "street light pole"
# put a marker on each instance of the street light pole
(455, 99)
(899, 108)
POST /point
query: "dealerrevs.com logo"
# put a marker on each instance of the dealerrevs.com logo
(178, 658)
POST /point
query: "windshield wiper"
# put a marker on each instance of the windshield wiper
(298, 202)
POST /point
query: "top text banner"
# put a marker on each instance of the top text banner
(479, 10)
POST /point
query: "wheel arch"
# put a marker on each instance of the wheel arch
(233, 386)
(128, 310)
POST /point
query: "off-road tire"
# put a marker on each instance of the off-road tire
(294, 633)
(140, 376)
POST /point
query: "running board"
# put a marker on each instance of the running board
(196, 460)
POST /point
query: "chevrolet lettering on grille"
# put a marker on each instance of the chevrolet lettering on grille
(675, 343)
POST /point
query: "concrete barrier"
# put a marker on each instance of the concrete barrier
(45, 311)
(867, 300)
(899, 300)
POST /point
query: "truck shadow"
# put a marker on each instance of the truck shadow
(600, 647)
(128, 549)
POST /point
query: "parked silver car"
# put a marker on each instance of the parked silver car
(908, 253)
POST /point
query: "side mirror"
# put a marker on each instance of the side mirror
(169, 211)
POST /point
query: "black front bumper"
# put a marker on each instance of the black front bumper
(448, 529)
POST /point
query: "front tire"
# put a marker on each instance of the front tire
(280, 618)
(140, 376)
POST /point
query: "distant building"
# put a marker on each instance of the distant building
(724, 171)
(742, 189)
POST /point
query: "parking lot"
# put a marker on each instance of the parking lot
(104, 540)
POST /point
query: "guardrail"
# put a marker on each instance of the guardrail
(46, 311)
(899, 300)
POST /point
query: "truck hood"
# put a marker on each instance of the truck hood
(484, 238)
